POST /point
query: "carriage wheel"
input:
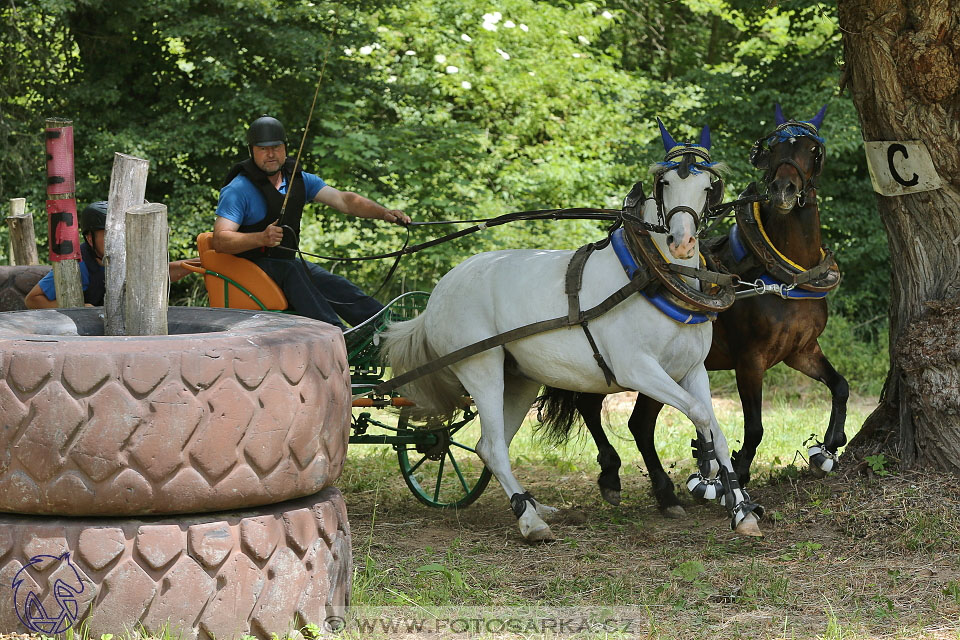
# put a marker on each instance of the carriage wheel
(441, 471)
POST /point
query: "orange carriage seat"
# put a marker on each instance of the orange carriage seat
(236, 283)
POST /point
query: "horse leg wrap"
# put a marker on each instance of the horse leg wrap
(704, 483)
(518, 502)
(822, 458)
(740, 509)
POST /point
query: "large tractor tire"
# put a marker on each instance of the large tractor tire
(220, 575)
(15, 284)
(233, 409)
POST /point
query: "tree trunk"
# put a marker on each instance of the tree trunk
(902, 66)
(23, 240)
(148, 273)
(128, 184)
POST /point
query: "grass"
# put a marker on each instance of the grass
(855, 556)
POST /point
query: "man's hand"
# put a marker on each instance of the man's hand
(272, 235)
(396, 217)
(178, 271)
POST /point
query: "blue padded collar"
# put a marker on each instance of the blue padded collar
(661, 302)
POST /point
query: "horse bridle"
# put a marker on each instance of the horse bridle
(689, 160)
(762, 149)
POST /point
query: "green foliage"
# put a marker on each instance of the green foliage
(878, 464)
(453, 109)
(689, 571)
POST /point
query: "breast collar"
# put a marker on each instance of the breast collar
(740, 253)
(666, 306)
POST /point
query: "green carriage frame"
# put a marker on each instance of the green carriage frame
(439, 470)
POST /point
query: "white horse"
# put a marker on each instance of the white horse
(494, 292)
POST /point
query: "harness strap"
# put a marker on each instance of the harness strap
(574, 281)
(615, 298)
(704, 275)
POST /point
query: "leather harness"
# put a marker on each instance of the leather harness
(653, 273)
(823, 277)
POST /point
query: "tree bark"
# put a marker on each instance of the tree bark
(148, 273)
(902, 66)
(23, 240)
(128, 184)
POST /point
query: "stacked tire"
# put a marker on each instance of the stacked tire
(179, 482)
(16, 283)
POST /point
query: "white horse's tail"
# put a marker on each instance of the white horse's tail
(406, 347)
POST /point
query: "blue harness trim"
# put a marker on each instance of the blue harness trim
(666, 307)
(740, 252)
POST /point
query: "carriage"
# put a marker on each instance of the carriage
(447, 348)
(440, 470)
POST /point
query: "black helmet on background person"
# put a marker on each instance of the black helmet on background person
(93, 218)
(266, 131)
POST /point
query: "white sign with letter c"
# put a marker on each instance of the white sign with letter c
(898, 168)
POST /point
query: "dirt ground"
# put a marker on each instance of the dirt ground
(856, 555)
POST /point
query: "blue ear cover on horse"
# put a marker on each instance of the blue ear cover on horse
(818, 119)
(668, 141)
(778, 114)
(705, 137)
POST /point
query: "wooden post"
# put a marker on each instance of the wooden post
(23, 240)
(148, 271)
(128, 184)
(64, 237)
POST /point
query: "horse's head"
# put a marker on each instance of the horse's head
(792, 157)
(686, 187)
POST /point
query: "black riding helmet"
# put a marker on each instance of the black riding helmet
(93, 218)
(265, 131)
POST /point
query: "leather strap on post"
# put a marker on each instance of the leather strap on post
(615, 298)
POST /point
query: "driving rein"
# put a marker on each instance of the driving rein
(655, 275)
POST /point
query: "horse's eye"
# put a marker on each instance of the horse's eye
(665, 183)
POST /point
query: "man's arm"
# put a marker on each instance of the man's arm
(36, 299)
(178, 271)
(356, 205)
(227, 238)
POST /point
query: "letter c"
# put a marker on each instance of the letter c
(891, 151)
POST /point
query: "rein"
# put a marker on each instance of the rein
(485, 223)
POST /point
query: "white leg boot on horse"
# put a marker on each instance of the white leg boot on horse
(500, 295)
(744, 513)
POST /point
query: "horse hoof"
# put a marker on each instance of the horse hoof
(675, 512)
(540, 534)
(749, 527)
(611, 495)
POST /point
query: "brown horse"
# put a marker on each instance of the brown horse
(776, 245)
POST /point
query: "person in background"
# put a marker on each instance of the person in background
(93, 221)
(248, 225)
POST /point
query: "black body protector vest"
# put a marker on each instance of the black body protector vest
(274, 201)
(96, 285)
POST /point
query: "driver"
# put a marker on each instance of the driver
(93, 221)
(247, 225)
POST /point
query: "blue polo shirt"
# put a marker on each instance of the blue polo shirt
(241, 201)
(50, 290)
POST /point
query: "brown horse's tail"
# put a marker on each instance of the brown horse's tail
(557, 413)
